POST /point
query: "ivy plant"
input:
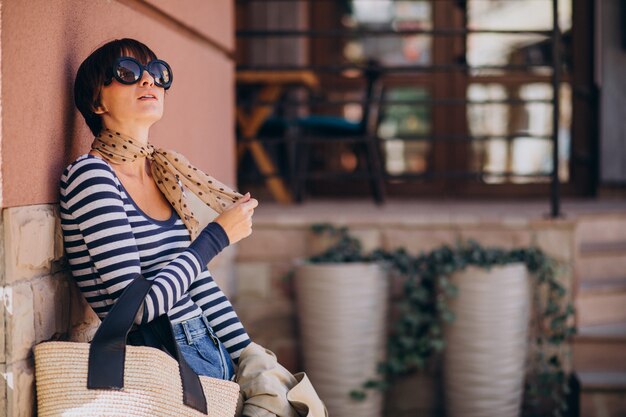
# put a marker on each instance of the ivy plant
(417, 334)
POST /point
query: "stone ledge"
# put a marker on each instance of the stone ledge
(416, 241)
(558, 243)
(266, 244)
(503, 238)
(420, 212)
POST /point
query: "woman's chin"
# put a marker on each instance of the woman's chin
(153, 116)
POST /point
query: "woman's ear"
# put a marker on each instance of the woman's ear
(99, 108)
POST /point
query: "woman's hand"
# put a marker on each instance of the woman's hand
(236, 220)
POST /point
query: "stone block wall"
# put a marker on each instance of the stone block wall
(41, 300)
(36, 298)
(265, 299)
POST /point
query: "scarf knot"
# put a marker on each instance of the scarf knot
(149, 151)
(172, 173)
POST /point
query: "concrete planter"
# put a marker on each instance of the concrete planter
(485, 354)
(342, 315)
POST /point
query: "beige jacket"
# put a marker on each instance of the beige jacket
(268, 389)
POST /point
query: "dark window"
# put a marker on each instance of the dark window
(467, 106)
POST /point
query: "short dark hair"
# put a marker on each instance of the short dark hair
(91, 75)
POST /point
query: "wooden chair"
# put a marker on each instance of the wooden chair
(335, 128)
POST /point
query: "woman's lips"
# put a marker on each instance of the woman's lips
(148, 96)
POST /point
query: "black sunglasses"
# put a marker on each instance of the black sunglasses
(127, 70)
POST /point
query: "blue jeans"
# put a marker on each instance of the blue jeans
(204, 352)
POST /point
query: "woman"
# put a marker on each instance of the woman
(124, 211)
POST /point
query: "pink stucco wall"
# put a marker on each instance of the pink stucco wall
(44, 42)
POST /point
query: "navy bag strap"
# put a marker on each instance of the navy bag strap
(107, 352)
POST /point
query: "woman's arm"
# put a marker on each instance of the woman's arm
(219, 311)
(92, 210)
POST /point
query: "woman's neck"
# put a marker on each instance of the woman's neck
(138, 170)
(140, 133)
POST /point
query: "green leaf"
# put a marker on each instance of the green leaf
(425, 307)
(447, 316)
(376, 384)
(554, 360)
(437, 344)
(358, 395)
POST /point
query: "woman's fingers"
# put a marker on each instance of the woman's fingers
(246, 202)
(237, 219)
(254, 202)
(250, 204)
(242, 200)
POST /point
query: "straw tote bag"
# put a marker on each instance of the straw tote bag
(108, 378)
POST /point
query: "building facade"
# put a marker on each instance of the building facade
(42, 44)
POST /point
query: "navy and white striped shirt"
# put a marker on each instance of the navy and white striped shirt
(109, 239)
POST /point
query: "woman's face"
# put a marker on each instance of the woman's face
(123, 104)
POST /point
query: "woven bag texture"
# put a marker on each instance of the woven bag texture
(152, 386)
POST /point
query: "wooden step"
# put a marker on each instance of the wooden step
(602, 286)
(601, 261)
(602, 381)
(604, 332)
(603, 394)
(605, 228)
(600, 248)
(600, 348)
(601, 302)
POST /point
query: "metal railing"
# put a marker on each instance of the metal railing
(555, 77)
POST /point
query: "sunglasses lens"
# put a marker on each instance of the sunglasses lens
(128, 71)
(161, 73)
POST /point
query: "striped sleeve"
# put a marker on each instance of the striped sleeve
(91, 199)
(219, 312)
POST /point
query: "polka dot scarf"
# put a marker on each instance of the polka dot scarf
(172, 172)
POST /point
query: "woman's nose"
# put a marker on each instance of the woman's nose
(146, 77)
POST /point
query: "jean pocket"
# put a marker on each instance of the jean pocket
(212, 334)
(203, 357)
(208, 349)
